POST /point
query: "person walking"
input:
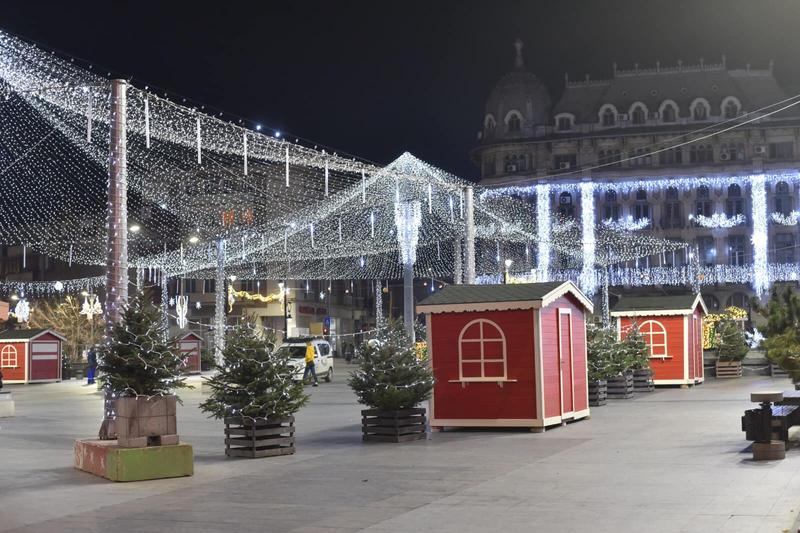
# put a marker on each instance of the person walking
(91, 365)
(310, 364)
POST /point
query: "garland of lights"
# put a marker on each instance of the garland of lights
(626, 224)
(588, 280)
(761, 278)
(786, 220)
(718, 220)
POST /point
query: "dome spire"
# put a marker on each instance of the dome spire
(518, 61)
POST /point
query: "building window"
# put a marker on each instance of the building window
(189, 285)
(707, 250)
(673, 156)
(783, 248)
(638, 115)
(609, 117)
(489, 165)
(712, 302)
(565, 207)
(641, 209)
(734, 205)
(564, 123)
(8, 356)
(700, 110)
(514, 124)
(565, 161)
(515, 163)
(732, 151)
(209, 286)
(611, 158)
(702, 153)
(782, 150)
(482, 351)
(669, 113)
(655, 336)
(640, 157)
(611, 206)
(730, 108)
(673, 216)
(489, 126)
(783, 200)
(736, 250)
(738, 299)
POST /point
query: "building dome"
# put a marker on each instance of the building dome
(518, 103)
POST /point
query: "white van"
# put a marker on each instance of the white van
(323, 356)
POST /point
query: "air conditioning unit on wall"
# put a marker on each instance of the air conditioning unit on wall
(724, 156)
(564, 165)
(759, 149)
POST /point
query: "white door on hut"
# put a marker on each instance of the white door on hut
(565, 362)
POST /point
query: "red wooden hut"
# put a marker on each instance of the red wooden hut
(507, 355)
(672, 327)
(30, 355)
(190, 346)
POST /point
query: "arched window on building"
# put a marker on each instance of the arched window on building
(608, 117)
(610, 158)
(611, 206)
(482, 351)
(641, 209)
(703, 205)
(655, 336)
(565, 206)
(712, 302)
(734, 204)
(672, 156)
(489, 126)
(8, 356)
(640, 157)
(732, 151)
(738, 299)
(638, 114)
(730, 107)
(672, 216)
(737, 250)
(700, 109)
(514, 122)
(489, 167)
(783, 248)
(669, 113)
(784, 203)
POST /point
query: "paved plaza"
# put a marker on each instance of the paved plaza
(673, 460)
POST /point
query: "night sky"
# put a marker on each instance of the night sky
(374, 78)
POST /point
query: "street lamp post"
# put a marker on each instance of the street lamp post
(285, 299)
(508, 264)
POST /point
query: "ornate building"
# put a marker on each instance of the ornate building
(702, 153)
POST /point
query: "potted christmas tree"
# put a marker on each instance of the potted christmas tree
(139, 368)
(392, 381)
(638, 360)
(253, 392)
(620, 377)
(731, 349)
(600, 348)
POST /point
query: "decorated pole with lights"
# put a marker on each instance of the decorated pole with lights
(588, 280)
(408, 219)
(117, 209)
(457, 268)
(543, 228)
(469, 235)
(219, 303)
(760, 268)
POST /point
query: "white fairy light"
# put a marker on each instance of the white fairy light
(718, 220)
(760, 267)
(626, 224)
(588, 281)
(790, 219)
(543, 225)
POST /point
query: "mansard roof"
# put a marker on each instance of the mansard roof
(682, 84)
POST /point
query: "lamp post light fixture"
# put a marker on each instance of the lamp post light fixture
(508, 263)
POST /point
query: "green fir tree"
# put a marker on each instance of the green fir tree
(603, 352)
(390, 376)
(253, 381)
(782, 331)
(139, 358)
(730, 341)
(636, 351)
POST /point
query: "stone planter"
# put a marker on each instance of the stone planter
(247, 437)
(146, 421)
(729, 369)
(620, 387)
(402, 425)
(598, 392)
(643, 380)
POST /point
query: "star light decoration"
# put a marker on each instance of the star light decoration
(789, 219)
(718, 220)
(181, 310)
(22, 311)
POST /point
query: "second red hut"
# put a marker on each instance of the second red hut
(672, 327)
(507, 355)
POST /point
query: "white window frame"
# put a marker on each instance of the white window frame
(602, 111)
(648, 336)
(507, 121)
(664, 105)
(724, 104)
(6, 353)
(482, 360)
(700, 102)
(644, 110)
(569, 116)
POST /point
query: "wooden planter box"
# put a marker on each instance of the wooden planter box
(143, 421)
(729, 369)
(620, 387)
(643, 380)
(598, 392)
(393, 426)
(245, 437)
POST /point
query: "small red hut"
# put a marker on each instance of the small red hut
(507, 355)
(30, 355)
(190, 346)
(672, 327)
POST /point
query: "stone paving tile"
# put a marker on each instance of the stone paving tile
(673, 460)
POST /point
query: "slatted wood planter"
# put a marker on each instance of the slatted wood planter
(729, 369)
(776, 371)
(393, 426)
(259, 438)
(620, 387)
(643, 380)
(598, 392)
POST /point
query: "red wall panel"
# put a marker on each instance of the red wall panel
(484, 400)
(671, 368)
(18, 373)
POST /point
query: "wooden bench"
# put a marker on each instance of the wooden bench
(783, 417)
